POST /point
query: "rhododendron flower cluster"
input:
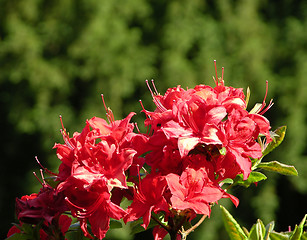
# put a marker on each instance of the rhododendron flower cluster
(196, 138)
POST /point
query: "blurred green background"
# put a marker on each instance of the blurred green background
(57, 57)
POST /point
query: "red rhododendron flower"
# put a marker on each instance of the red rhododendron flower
(98, 159)
(99, 148)
(46, 205)
(193, 190)
(148, 197)
(164, 156)
(89, 200)
(241, 132)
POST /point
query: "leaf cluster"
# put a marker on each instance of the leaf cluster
(259, 231)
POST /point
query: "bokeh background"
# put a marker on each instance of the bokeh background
(57, 57)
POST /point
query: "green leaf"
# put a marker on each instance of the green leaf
(257, 231)
(136, 227)
(74, 227)
(233, 229)
(27, 228)
(115, 224)
(281, 132)
(279, 236)
(298, 231)
(226, 181)
(254, 233)
(281, 168)
(18, 236)
(254, 177)
(268, 229)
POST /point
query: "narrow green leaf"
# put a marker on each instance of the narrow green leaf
(254, 232)
(281, 168)
(298, 231)
(261, 228)
(277, 140)
(257, 231)
(279, 236)
(254, 177)
(18, 236)
(268, 229)
(233, 229)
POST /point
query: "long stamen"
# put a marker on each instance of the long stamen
(266, 93)
(61, 119)
(42, 175)
(216, 80)
(104, 103)
(267, 108)
(151, 92)
(38, 179)
(86, 212)
(111, 115)
(66, 140)
(222, 74)
(140, 101)
(63, 128)
(266, 90)
(147, 117)
(137, 127)
(65, 135)
(154, 86)
(45, 169)
(158, 103)
(109, 112)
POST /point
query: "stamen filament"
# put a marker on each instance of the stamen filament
(154, 86)
(42, 175)
(149, 88)
(216, 80)
(45, 169)
(38, 179)
(137, 127)
(104, 103)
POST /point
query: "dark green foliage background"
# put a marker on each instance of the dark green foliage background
(57, 57)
